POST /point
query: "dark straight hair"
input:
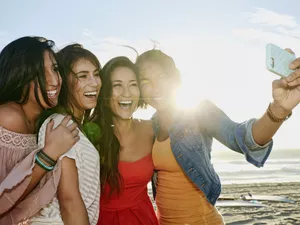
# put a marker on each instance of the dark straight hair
(21, 62)
(109, 145)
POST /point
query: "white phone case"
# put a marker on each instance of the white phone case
(278, 60)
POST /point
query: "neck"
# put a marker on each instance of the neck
(77, 113)
(122, 126)
(32, 112)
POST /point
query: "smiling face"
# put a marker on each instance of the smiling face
(125, 92)
(157, 87)
(85, 84)
(52, 82)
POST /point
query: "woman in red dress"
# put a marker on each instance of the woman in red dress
(125, 149)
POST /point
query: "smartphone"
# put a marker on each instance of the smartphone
(278, 60)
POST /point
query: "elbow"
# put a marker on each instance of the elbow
(69, 203)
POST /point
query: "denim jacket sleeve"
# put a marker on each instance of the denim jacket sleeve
(236, 136)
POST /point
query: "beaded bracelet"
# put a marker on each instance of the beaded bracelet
(46, 158)
(274, 118)
(42, 165)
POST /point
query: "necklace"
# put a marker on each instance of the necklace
(28, 121)
(30, 124)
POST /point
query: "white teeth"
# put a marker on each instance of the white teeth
(92, 93)
(125, 102)
(52, 93)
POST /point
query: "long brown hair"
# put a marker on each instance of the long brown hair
(66, 59)
(109, 145)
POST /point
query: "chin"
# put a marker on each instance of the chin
(90, 106)
(126, 117)
(52, 105)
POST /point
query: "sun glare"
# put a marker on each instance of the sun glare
(185, 99)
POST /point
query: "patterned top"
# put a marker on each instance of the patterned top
(88, 165)
(17, 153)
(14, 147)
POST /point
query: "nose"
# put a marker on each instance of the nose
(126, 92)
(95, 81)
(54, 79)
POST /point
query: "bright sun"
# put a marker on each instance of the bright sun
(184, 99)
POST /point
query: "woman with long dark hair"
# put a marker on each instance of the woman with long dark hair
(78, 191)
(125, 148)
(29, 83)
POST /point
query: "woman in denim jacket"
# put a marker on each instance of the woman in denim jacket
(187, 186)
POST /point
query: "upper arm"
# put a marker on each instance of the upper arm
(12, 119)
(217, 124)
(211, 118)
(68, 188)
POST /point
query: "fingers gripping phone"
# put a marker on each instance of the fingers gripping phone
(278, 60)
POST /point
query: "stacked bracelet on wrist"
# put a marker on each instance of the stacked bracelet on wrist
(46, 158)
(274, 118)
(43, 156)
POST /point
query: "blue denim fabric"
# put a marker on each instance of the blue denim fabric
(191, 136)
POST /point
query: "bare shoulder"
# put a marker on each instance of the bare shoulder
(144, 126)
(12, 118)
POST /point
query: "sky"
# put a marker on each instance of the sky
(218, 46)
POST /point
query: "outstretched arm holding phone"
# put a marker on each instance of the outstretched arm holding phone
(286, 95)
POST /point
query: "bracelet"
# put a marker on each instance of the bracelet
(46, 158)
(42, 165)
(274, 118)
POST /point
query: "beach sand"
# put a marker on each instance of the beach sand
(276, 213)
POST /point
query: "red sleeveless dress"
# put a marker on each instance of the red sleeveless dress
(132, 206)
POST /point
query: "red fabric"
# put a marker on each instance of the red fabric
(132, 206)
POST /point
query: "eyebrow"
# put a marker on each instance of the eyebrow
(120, 81)
(85, 71)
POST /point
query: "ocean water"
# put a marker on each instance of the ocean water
(232, 168)
(281, 166)
(239, 171)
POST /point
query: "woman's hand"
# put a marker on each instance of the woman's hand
(286, 91)
(61, 139)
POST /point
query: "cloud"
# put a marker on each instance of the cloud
(269, 18)
(265, 26)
